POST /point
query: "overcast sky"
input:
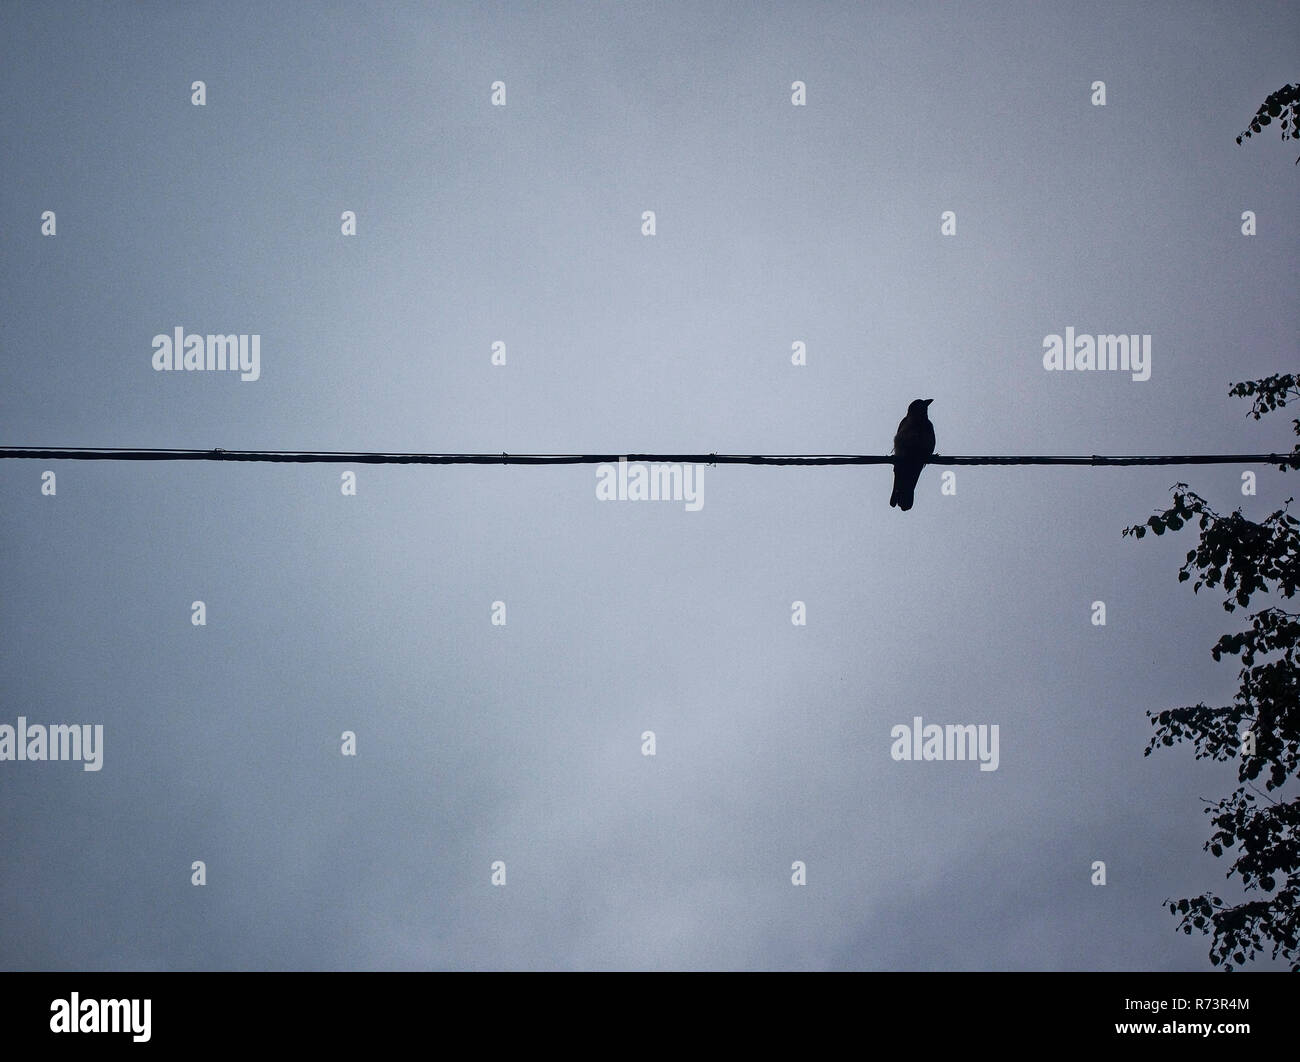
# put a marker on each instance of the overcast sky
(775, 224)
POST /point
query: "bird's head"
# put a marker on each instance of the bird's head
(919, 406)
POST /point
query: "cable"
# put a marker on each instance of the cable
(110, 453)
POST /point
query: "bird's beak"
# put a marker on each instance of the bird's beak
(928, 401)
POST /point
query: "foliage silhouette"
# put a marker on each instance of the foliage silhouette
(1280, 106)
(1246, 558)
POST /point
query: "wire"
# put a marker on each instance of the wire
(110, 453)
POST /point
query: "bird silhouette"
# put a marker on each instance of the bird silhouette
(913, 444)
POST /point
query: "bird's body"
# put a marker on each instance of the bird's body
(913, 446)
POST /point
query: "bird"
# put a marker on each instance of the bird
(913, 444)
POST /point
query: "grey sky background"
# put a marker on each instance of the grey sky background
(372, 613)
